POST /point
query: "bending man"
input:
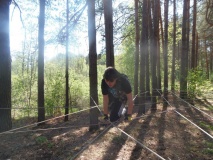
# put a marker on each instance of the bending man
(117, 93)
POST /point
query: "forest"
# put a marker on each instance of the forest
(52, 58)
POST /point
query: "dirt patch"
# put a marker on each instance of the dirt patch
(161, 133)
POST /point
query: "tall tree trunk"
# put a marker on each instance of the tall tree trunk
(154, 54)
(184, 51)
(174, 47)
(30, 84)
(109, 33)
(136, 50)
(179, 49)
(193, 54)
(188, 33)
(143, 52)
(92, 65)
(41, 109)
(166, 7)
(211, 63)
(67, 66)
(207, 59)
(202, 55)
(5, 68)
(211, 60)
(158, 50)
(148, 59)
(196, 50)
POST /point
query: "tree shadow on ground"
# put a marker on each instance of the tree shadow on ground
(205, 103)
(196, 116)
(136, 152)
(180, 134)
(161, 131)
(118, 142)
(54, 140)
(188, 136)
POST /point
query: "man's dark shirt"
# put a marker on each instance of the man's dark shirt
(119, 91)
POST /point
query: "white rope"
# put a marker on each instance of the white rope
(12, 130)
(76, 155)
(34, 108)
(193, 106)
(194, 124)
(188, 119)
(56, 128)
(130, 136)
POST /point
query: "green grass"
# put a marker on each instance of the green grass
(42, 140)
(118, 140)
(209, 148)
(207, 126)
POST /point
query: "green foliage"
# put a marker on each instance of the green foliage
(78, 82)
(209, 148)
(208, 145)
(101, 68)
(24, 66)
(178, 32)
(117, 139)
(42, 140)
(54, 90)
(24, 86)
(207, 126)
(126, 57)
(196, 81)
(24, 77)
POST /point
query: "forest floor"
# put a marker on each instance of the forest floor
(160, 134)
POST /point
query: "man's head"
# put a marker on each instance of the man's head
(110, 76)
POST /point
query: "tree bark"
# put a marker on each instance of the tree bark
(92, 65)
(174, 47)
(207, 59)
(196, 50)
(211, 60)
(67, 66)
(158, 50)
(166, 7)
(5, 68)
(109, 33)
(41, 109)
(193, 54)
(148, 59)
(154, 54)
(143, 52)
(184, 51)
(137, 39)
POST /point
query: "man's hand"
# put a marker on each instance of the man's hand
(128, 117)
(105, 117)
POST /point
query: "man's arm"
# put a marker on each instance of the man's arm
(105, 103)
(129, 103)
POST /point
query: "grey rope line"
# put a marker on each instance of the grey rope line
(130, 136)
(146, 115)
(45, 121)
(34, 108)
(189, 120)
(142, 93)
(171, 110)
(46, 129)
(193, 106)
(76, 155)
